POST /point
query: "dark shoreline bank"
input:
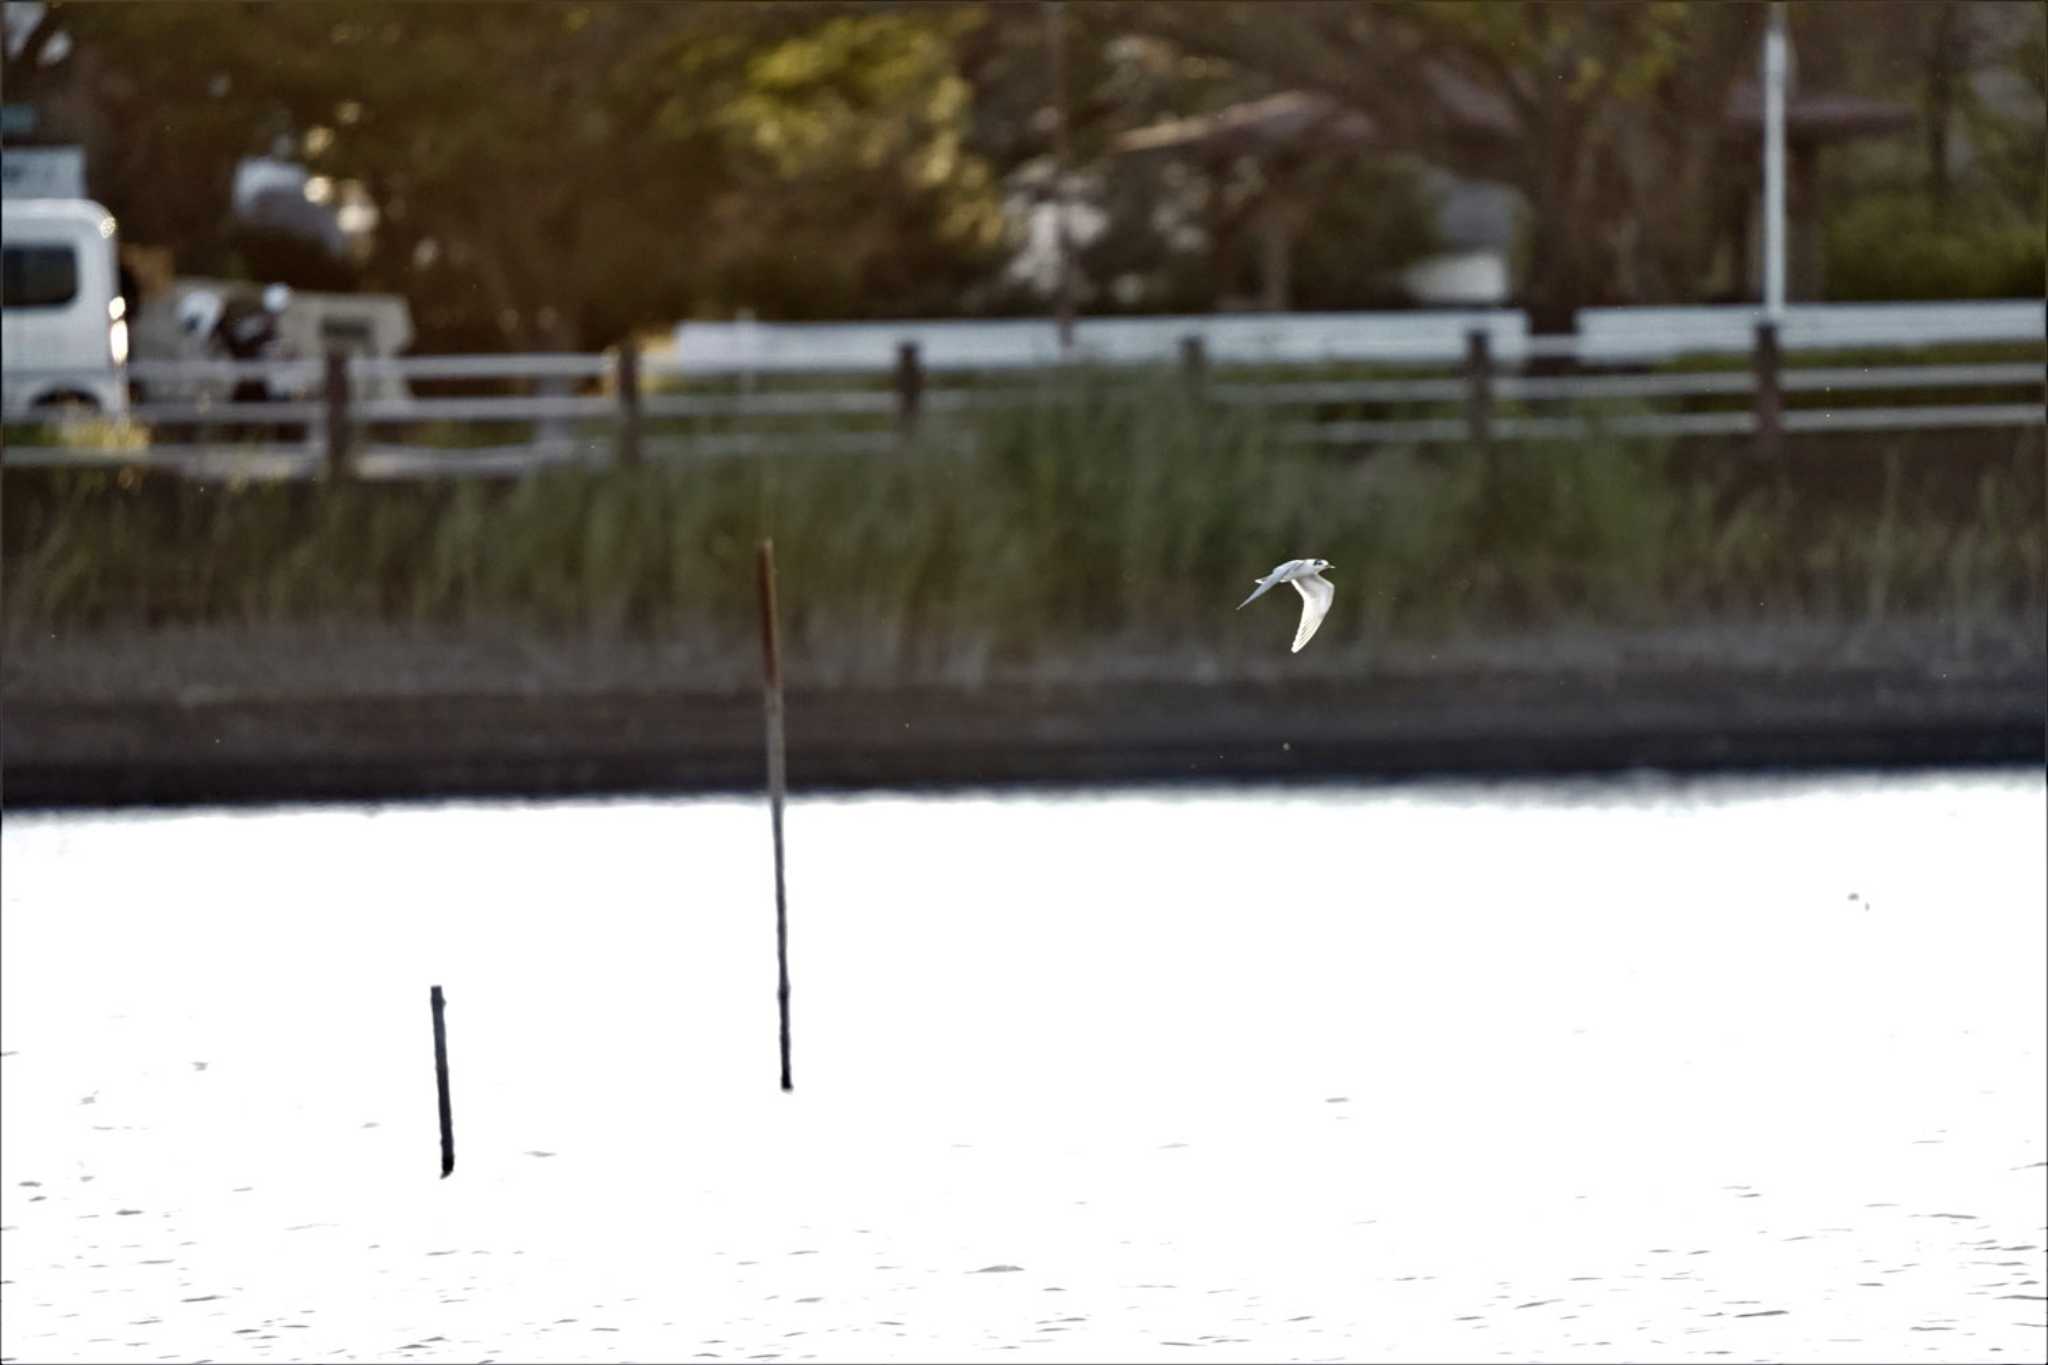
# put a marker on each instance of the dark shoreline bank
(212, 749)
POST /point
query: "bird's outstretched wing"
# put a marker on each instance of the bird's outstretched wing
(1316, 592)
(1270, 581)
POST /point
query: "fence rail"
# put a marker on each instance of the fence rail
(358, 417)
(1601, 336)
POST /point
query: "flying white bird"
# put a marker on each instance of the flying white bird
(1316, 591)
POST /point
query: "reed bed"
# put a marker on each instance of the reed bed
(1107, 517)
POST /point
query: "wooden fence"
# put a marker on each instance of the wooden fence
(1336, 381)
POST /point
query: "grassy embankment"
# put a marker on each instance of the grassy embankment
(1120, 524)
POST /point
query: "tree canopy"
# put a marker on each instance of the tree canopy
(556, 175)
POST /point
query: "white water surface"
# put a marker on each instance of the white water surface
(1620, 1071)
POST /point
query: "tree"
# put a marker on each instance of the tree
(553, 176)
(1606, 117)
(852, 158)
(538, 169)
(161, 134)
(1960, 213)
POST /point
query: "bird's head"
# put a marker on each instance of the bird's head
(1322, 564)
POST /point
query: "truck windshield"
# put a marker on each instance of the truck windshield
(40, 276)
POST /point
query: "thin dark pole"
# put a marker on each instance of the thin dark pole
(440, 1005)
(629, 402)
(909, 387)
(1479, 387)
(339, 437)
(1766, 361)
(771, 658)
(1056, 47)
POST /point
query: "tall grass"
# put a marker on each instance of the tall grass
(1106, 520)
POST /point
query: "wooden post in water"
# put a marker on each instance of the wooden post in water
(771, 659)
(440, 1005)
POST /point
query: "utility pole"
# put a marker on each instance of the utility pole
(1774, 164)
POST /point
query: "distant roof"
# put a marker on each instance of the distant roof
(1275, 119)
(1278, 120)
(1821, 117)
(1284, 118)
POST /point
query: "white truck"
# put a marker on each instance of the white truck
(66, 324)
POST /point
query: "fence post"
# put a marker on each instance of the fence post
(1479, 386)
(1770, 397)
(909, 386)
(339, 437)
(629, 403)
(1194, 362)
